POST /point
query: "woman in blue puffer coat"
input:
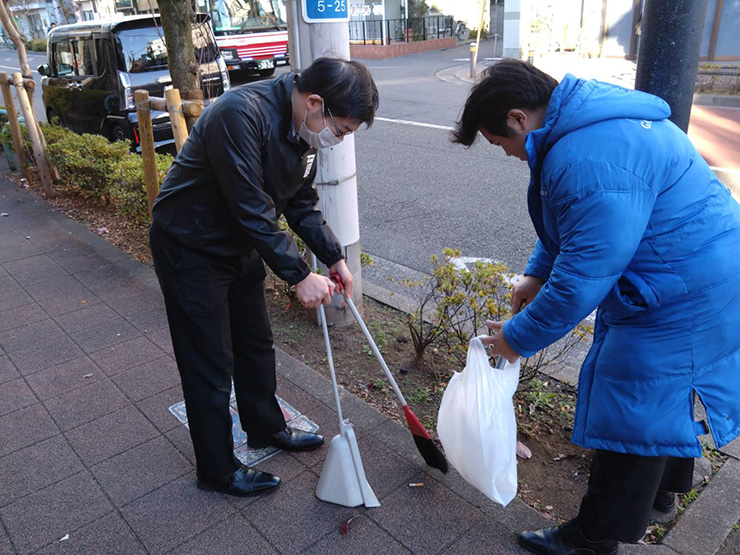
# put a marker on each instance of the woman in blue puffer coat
(629, 219)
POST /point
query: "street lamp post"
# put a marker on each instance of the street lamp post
(668, 59)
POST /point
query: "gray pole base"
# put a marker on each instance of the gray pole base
(336, 314)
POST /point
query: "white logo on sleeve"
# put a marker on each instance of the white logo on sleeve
(309, 164)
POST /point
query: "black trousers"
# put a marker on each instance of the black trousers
(220, 329)
(622, 490)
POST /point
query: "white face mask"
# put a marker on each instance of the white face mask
(323, 139)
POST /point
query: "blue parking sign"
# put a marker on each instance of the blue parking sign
(325, 11)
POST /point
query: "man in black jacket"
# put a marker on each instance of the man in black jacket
(249, 158)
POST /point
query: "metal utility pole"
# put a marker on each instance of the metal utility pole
(316, 29)
(668, 58)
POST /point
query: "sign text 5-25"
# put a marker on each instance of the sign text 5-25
(336, 6)
(325, 11)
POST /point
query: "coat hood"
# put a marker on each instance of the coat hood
(577, 103)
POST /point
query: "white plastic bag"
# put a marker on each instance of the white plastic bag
(477, 426)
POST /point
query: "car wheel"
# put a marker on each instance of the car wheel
(266, 72)
(122, 132)
(51, 115)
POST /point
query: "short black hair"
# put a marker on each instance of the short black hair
(346, 86)
(505, 85)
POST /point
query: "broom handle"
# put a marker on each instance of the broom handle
(329, 358)
(374, 347)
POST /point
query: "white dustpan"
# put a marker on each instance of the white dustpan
(343, 480)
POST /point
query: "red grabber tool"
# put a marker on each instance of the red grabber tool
(424, 442)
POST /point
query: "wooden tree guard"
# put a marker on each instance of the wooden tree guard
(33, 132)
(30, 85)
(194, 96)
(177, 117)
(192, 108)
(15, 126)
(146, 135)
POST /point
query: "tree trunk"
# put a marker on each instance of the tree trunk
(20, 42)
(177, 22)
(17, 37)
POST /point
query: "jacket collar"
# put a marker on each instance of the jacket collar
(287, 82)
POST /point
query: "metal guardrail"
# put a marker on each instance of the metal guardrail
(387, 31)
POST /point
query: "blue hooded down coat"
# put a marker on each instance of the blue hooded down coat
(630, 219)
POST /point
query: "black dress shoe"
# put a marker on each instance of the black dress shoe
(290, 439)
(665, 501)
(244, 481)
(566, 539)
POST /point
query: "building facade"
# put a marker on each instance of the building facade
(607, 28)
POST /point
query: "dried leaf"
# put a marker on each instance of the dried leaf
(344, 528)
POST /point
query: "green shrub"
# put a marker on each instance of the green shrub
(474, 34)
(93, 167)
(366, 259)
(36, 45)
(85, 162)
(453, 304)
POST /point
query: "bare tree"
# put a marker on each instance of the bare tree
(67, 10)
(18, 38)
(177, 21)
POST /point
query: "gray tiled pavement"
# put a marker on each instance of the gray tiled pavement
(90, 453)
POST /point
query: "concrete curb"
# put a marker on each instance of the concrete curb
(707, 522)
(718, 100)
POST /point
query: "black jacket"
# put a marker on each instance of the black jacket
(240, 169)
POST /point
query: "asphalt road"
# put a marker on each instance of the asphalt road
(420, 193)
(9, 64)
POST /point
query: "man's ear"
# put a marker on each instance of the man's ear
(312, 101)
(517, 119)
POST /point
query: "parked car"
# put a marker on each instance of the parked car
(94, 67)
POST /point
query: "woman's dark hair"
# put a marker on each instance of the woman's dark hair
(505, 85)
(346, 86)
